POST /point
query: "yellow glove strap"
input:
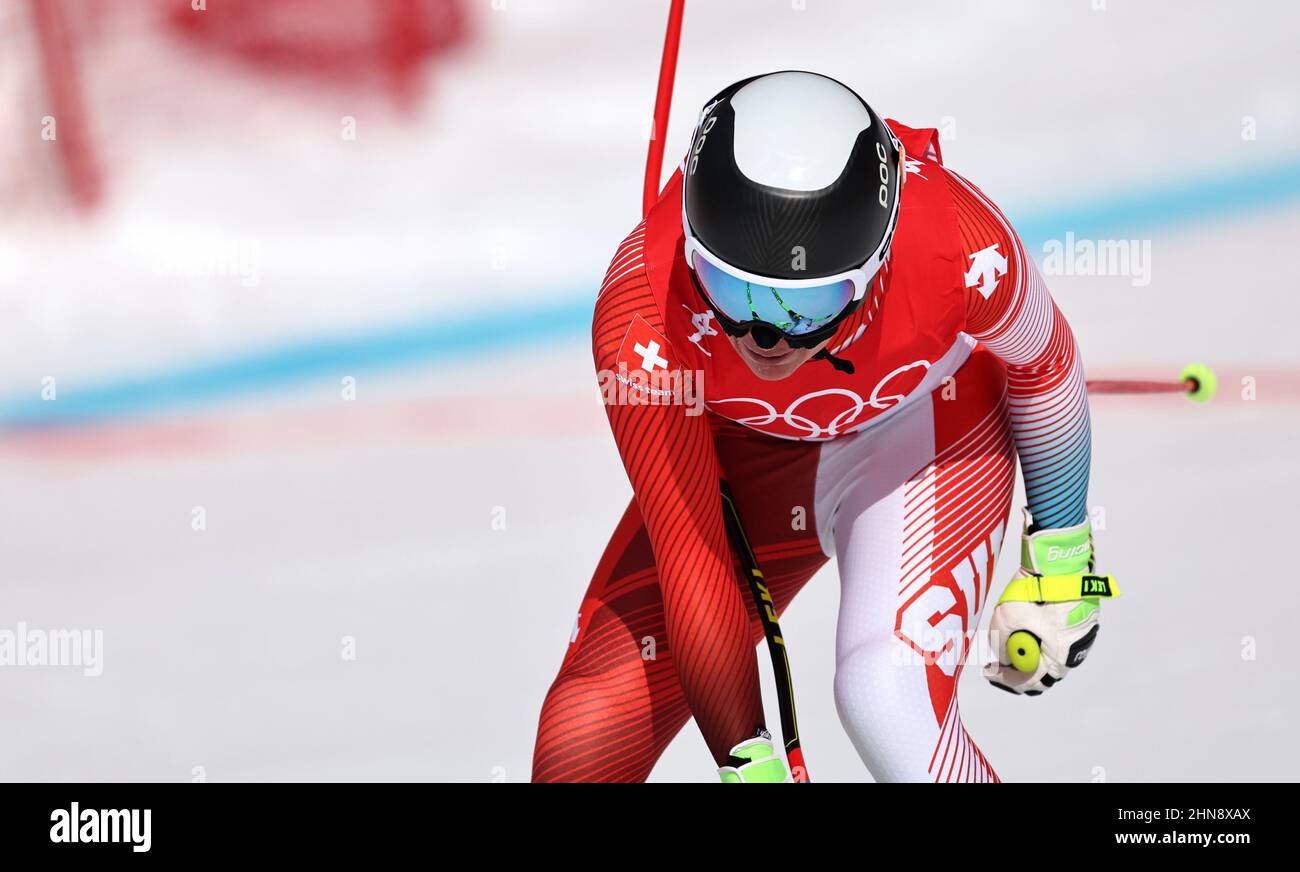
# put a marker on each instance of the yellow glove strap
(1059, 588)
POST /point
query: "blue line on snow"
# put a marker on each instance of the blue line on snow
(1172, 205)
(325, 360)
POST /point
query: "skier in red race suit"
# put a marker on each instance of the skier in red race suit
(868, 359)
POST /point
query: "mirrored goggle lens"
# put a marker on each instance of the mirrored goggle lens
(791, 310)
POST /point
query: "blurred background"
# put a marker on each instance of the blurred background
(296, 401)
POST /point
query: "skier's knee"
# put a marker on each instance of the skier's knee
(877, 699)
(861, 688)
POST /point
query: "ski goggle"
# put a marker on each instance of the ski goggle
(795, 307)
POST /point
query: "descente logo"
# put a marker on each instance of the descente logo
(91, 825)
(1056, 552)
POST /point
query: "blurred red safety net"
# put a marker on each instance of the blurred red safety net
(330, 38)
(387, 44)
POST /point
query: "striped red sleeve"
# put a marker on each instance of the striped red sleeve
(1010, 310)
(671, 462)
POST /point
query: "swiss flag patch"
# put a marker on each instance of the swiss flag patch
(644, 348)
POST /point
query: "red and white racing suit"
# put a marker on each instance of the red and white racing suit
(903, 470)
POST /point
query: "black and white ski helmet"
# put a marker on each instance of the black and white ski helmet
(792, 177)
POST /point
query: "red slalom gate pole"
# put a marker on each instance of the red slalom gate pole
(654, 161)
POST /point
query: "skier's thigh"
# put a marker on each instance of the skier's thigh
(919, 526)
(616, 703)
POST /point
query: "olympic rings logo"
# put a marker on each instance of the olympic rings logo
(843, 421)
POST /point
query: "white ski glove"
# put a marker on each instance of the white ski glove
(1049, 614)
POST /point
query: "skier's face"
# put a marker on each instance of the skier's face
(775, 363)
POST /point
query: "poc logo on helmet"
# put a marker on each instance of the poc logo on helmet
(883, 195)
(699, 140)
